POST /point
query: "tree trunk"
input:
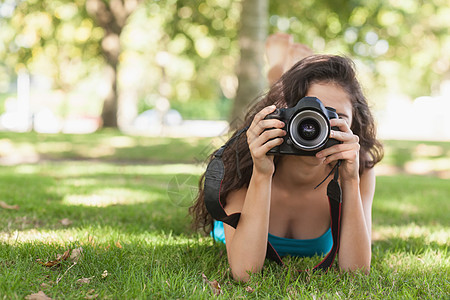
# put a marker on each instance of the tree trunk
(112, 17)
(252, 36)
(111, 51)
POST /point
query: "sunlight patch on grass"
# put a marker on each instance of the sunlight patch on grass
(25, 169)
(59, 237)
(424, 150)
(427, 261)
(109, 196)
(425, 166)
(405, 208)
(175, 169)
(436, 234)
(79, 182)
(97, 151)
(54, 147)
(121, 141)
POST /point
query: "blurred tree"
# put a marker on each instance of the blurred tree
(189, 50)
(252, 36)
(112, 17)
(66, 40)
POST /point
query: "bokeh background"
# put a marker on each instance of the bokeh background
(77, 66)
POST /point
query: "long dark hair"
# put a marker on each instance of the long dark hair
(286, 92)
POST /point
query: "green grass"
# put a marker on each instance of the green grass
(128, 211)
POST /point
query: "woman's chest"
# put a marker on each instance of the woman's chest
(299, 215)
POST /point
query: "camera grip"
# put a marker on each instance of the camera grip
(277, 114)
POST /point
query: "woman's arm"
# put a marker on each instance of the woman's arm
(356, 224)
(357, 192)
(246, 246)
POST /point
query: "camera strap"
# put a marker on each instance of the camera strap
(214, 175)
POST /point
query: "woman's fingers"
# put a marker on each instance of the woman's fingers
(341, 124)
(344, 136)
(259, 124)
(350, 155)
(349, 148)
(268, 135)
(267, 146)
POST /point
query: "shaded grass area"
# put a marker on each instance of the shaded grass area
(131, 220)
(107, 145)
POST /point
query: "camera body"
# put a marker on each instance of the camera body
(307, 127)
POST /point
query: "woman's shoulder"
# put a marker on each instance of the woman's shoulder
(235, 200)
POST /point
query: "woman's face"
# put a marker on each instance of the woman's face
(335, 96)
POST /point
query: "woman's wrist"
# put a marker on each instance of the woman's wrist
(260, 176)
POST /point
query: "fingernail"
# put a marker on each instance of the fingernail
(331, 133)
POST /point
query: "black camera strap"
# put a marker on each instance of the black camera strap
(213, 182)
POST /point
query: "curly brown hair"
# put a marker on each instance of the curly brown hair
(286, 92)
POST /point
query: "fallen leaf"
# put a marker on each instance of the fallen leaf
(104, 274)
(214, 285)
(44, 285)
(56, 262)
(64, 256)
(118, 245)
(66, 222)
(85, 280)
(249, 289)
(90, 295)
(38, 296)
(76, 254)
(7, 206)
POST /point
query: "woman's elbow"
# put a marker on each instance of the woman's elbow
(361, 266)
(242, 274)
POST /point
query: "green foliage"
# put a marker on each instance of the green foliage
(53, 38)
(186, 50)
(391, 37)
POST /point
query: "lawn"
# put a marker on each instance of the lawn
(119, 203)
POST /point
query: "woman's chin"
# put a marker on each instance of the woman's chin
(310, 160)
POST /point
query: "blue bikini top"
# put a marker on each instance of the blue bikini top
(284, 246)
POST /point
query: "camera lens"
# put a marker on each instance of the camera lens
(309, 129)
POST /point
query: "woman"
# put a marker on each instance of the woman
(275, 194)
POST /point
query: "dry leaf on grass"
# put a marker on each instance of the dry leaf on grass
(214, 285)
(104, 274)
(90, 295)
(66, 222)
(7, 206)
(44, 285)
(85, 280)
(76, 254)
(118, 245)
(249, 289)
(38, 296)
(59, 259)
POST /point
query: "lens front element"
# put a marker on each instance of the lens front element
(309, 130)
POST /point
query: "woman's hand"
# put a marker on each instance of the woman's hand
(261, 140)
(348, 151)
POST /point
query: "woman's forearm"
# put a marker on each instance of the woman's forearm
(248, 247)
(355, 248)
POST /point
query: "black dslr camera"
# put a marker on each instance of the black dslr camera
(307, 126)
